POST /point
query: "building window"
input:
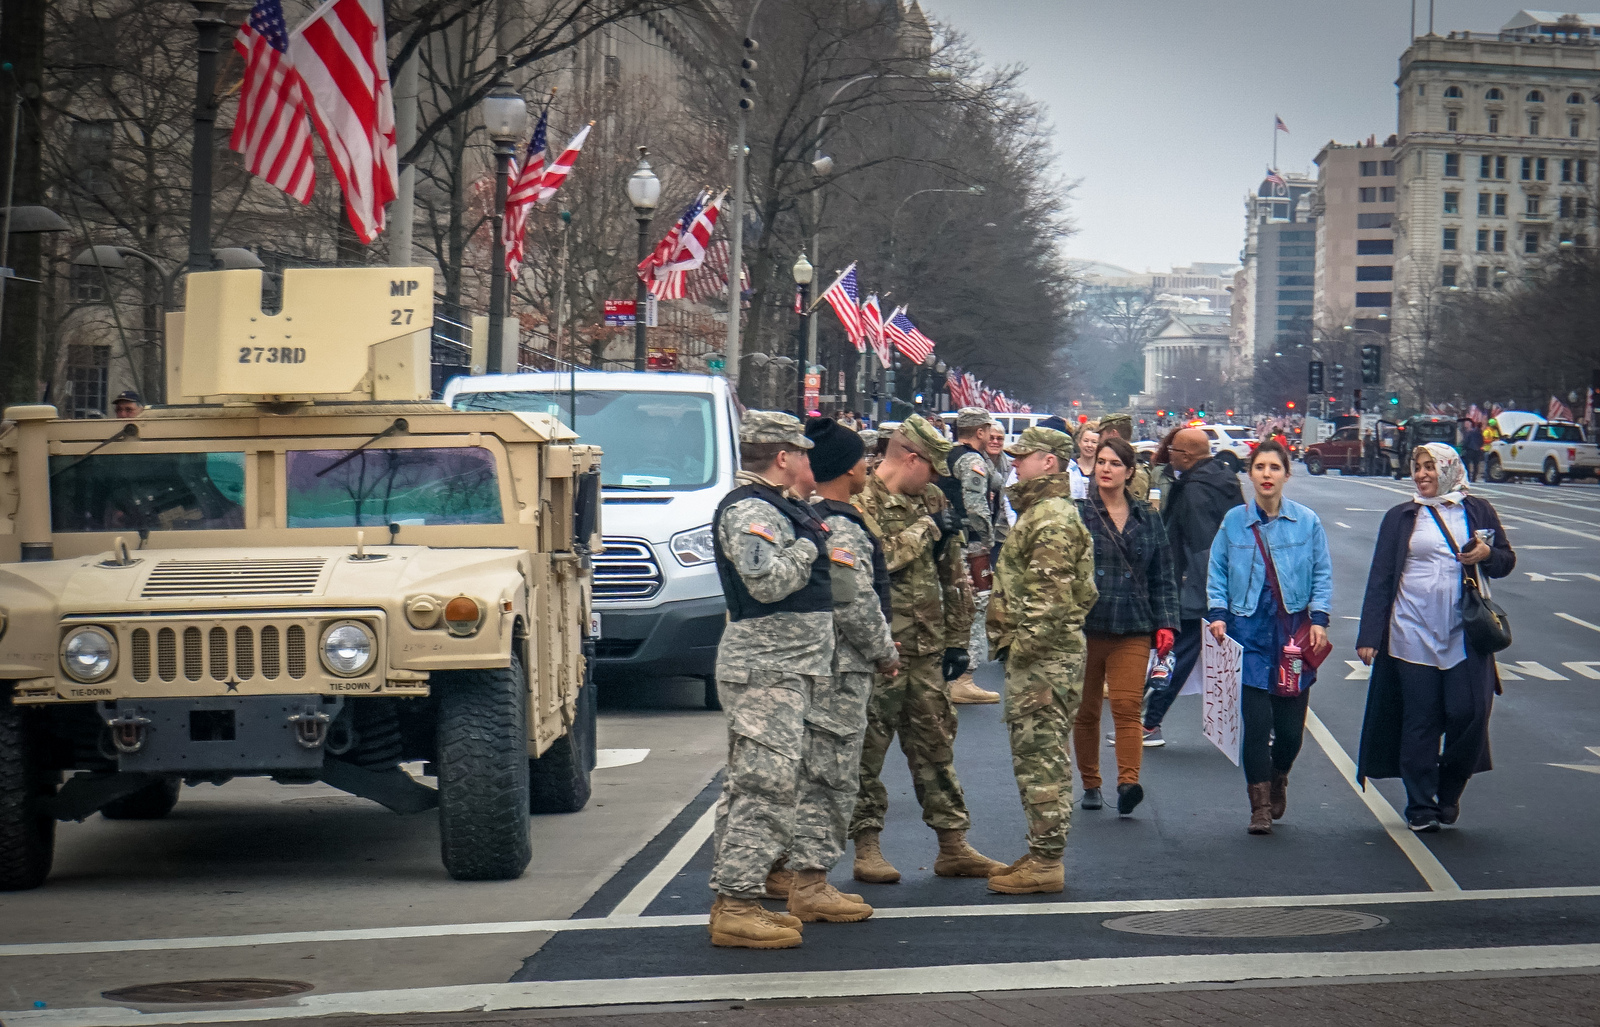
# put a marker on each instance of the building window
(1294, 295)
(1534, 96)
(1500, 167)
(1481, 276)
(1540, 165)
(1527, 169)
(88, 368)
(88, 285)
(1449, 241)
(1483, 205)
(1452, 202)
(1499, 278)
(1296, 280)
(1369, 168)
(1575, 98)
(1386, 194)
(1583, 171)
(1375, 273)
(1296, 265)
(1367, 195)
(1494, 94)
(1452, 121)
(1530, 242)
(1574, 127)
(1494, 124)
(1533, 205)
(613, 70)
(1386, 168)
(1452, 93)
(1373, 299)
(1374, 220)
(1566, 169)
(1483, 240)
(1452, 165)
(1447, 275)
(1499, 205)
(1500, 240)
(1533, 124)
(1374, 247)
(89, 154)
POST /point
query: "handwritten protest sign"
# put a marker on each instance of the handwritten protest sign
(1221, 668)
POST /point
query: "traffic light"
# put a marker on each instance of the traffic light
(1394, 399)
(748, 66)
(1357, 401)
(1314, 369)
(1371, 365)
(1338, 379)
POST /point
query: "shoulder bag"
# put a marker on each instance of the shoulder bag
(1485, 624)
(1288, 681)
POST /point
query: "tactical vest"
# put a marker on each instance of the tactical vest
(815, 596)
(952, 487)
(880, 566)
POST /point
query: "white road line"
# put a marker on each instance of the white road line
(1427, 864)
(1503, 515)
(1581, 623)
(1587, 668)
(1521, 497)
(1341, 524)
(1125, 971)
(605, 759)
(638, 900)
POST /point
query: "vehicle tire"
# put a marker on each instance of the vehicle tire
(1314, 465)
(483, 773)
(713, 700)
(560, 778)
(151, 802)
(1229, 460)
(1551, 474)
(1493, 471)
(27, 831)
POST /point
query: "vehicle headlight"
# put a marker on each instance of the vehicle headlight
(88, 654)
(694, 547)
(348, 648)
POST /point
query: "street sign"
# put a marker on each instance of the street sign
(661, 359)
(620, 313)
(650, 311)
(716, 364)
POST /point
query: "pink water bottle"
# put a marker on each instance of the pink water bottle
(1289, 667)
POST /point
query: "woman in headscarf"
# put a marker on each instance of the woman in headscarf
(1427, 680)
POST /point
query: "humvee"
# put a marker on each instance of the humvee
(301, 569)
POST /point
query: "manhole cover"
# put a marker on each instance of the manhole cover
(241, 989)
(1247, 923)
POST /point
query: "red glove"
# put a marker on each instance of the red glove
(1164, 641)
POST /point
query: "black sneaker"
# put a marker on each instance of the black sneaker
(1426, 824)
(1449, 814)
(1128, 797)
(1091, 799)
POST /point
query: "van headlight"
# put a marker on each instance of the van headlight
(694, 547)
(348, 648)
(88, 654)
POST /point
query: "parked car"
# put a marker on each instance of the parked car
(1231, 444)
(1553, 450)
(1414, 432)
(1340, 452)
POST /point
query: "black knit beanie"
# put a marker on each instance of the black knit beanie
(835, 448)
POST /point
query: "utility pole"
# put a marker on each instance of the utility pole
(405, 131)
(209, 25)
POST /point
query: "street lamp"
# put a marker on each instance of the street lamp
(803, 274)
(505, 118)
(644, 191)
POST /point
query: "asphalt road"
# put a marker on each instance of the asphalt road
(613, 911)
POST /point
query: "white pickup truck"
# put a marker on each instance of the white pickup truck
(1552, 450)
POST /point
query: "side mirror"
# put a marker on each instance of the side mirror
(585, 510)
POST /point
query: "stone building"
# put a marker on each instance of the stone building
(1353, 207)
(1273, 292)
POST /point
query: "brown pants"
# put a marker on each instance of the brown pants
(1115, 667)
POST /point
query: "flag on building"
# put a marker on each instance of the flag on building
(1278, 125)
(1558, 411)
(557, 173)
(525, 179)
(900, 331)
(844, 297)
(272, 129)
(872, 329)
(341, 56)
(1273, 178)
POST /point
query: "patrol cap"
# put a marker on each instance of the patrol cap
(973, 417)
(1044, 440)
(926, 441)
(773, 426)
(1122, 424)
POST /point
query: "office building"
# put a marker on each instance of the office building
(1273, 294)
(1353, 206)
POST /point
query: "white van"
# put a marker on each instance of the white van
(671, 448)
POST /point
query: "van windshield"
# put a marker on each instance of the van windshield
(652, 441)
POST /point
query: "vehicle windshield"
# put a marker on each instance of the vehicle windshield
(392, 486)
(147, 491)
(1435, 431)
(1240, 433)
(1561, 433)
(652, 441)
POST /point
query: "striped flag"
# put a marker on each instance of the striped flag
(900, 331)
(957, 388)
(693, 237)
(341, 55)
(558, 172)
(1278, 125)
(271, 129)
(653, 269)
(524, 193)
(711, 278)
(1558, 411)
(844, 296)
(872, 329)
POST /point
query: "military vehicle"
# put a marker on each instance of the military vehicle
(301, 569)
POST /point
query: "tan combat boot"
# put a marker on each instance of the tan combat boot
(958, 859)
(965, 690)
(781, 880)
(1030, 875)
(746, 924)
(870, 866)
(813, 898)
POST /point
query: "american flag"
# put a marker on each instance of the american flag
(872, 329)
(694, 236)
(843, 296)
(711, 278)
(524, 193)
(1275, 179)
(662, 254)
(557, 172)
(906, 338)
(1278, 125)
(956, 386)
(1558, 411)
(271, 129)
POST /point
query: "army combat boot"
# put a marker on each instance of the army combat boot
(781, 880)
(965, 690)
(813, 898)
(746, 924)
(870, 866)
(958, 859)
(1030, 875)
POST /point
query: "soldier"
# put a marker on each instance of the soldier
(971, 471)
(776, 652)
(1043, 589)
(1122, 424)
(932, 617)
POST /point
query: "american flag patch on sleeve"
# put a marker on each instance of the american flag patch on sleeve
(843, 557)
(761, 530)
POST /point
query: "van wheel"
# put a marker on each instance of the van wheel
(151, 802)
(1493, 471)
(560, 778)
(483, 773)
(27, 830)
(1551, 475)
(1228, 460)
(713, 701)
(1314, 465)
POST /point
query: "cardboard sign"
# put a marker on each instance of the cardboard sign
(1222, 668)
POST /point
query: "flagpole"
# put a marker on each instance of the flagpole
(1274, 142)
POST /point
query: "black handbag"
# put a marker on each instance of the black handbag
(1485, 624)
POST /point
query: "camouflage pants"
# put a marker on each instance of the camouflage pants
(978, 644)
(1040, 706)
(830, 772)
(916, 705)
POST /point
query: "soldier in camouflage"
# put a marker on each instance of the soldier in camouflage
(1043, 590)
(1122, 424)
(931, 620)
(972, 471)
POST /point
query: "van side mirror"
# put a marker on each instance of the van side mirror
(585, 510)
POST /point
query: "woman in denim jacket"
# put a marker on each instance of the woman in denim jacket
(1244, 604)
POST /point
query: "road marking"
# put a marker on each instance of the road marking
(1341, 524)
(1580, 623)
(1522, 497)
(970, 978)
(1587, 768)
(1427, 864)
(1586, 668)
(1549, 547)
(1535, 670)
(1504, 516)
(605, 759)
(1358, 671)
(1360, 509)
(1564, 576)
(638, 900)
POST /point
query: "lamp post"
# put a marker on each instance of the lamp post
(803, 274)
(505, 117)
(644, 191)
(939, 382)
(894, 219)
(209, 23)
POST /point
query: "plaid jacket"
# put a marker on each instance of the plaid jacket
(1133, 569)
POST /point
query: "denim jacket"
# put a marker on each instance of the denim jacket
(1299, 548)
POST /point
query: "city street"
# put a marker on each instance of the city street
(308, 885)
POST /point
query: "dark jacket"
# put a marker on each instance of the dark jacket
(1133, 569)
(1193, 510)
(1380, 729)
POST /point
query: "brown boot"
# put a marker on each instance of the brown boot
(1280, 794)
(1030, 875)
(1261, 808)
(781, 917)
(813, 898)
(958, 859)
(746, 924)
(870, 866)
(779, 879)
(965, 690)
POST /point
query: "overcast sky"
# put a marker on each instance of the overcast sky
(1163, 108)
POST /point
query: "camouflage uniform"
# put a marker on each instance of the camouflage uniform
(1122, 424)
(932, 607)
(768, 668)
(1043, 590)
(975, 474)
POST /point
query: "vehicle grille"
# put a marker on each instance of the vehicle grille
(224, 655)
(626, 570)
(180, 579)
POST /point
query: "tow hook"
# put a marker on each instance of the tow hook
(310, 728)
(128, 731)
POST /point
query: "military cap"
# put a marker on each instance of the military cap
(1046, 440)
(773, 426)
(973, 417)
(1122, 424)
(869, 436)
(927, 441)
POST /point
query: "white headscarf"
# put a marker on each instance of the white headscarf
(1452, 475)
